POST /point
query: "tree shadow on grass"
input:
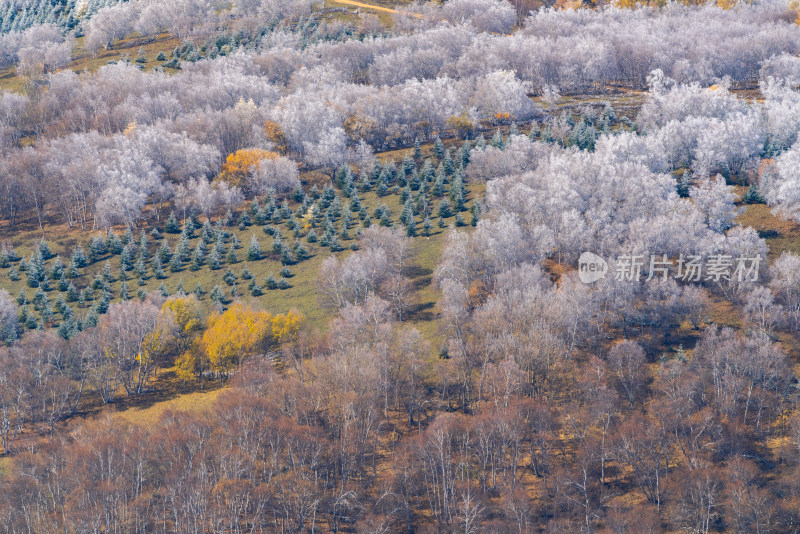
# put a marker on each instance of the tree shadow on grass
(421, 312)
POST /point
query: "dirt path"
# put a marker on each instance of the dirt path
(367, 6)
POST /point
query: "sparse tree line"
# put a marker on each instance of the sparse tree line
(45, 378)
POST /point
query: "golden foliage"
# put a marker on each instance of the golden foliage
(241, 331)
(245, 108)
(152, 345)
(503, 118)
(478, 293)
(185, 311)
(130, 129)
(191, 364)
(306, 220)
(285, 326)
(569, 4)
(275, 135)
(462, 124)
(241, 163)
(358, 127)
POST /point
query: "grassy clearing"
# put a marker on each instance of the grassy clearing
(9, 81)
(781, 235)
(198, 401)
(125, 48)
(83, 61)
(5, 464)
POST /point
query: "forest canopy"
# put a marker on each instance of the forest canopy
(300, 266)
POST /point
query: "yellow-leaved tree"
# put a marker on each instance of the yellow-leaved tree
(239, 165)
(274, 133)
(185, 311)
(242, 331)
(462, 124)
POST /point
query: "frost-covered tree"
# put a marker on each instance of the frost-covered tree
(716, 200)
(329, 151)
(207, 198)
(107, 25)
(783, 193)
(178, 155)
(496, 16)
(42, 49)
(500, 93)
(729, 145)
(279, 174)
(8, 318)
